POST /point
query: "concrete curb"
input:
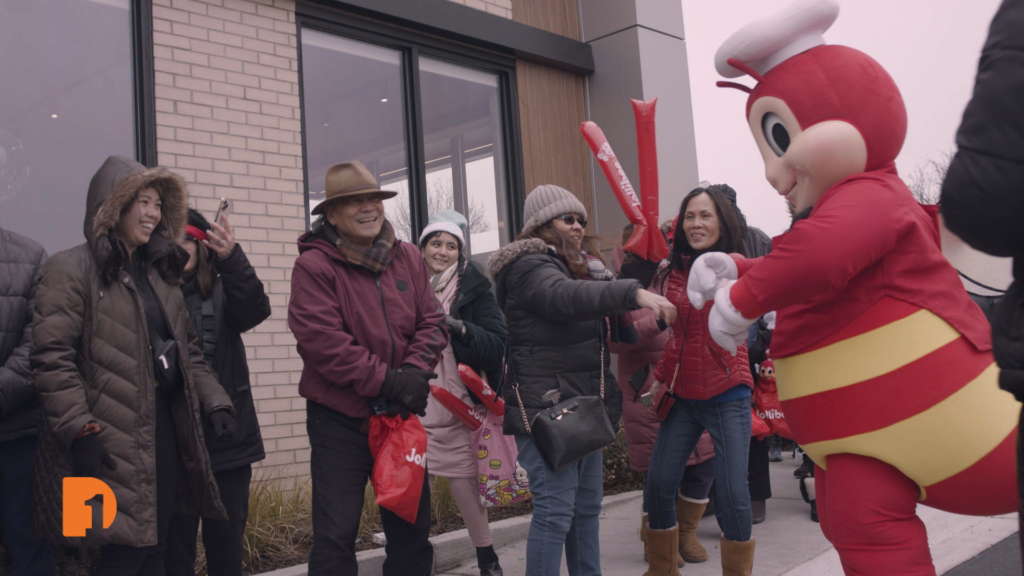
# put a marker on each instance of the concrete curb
(454, 548)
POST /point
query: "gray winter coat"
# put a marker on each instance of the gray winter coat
(20, 259)
(91, 361)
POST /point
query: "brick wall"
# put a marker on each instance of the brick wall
(228, 121)
(501, 8)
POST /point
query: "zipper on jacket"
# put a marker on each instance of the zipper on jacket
(719, 361)
(384, 307)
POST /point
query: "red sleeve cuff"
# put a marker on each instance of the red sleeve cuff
(743, 300)
(743, 265)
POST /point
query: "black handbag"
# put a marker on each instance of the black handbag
(570, 430)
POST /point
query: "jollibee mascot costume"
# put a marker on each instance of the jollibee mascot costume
(883, 363)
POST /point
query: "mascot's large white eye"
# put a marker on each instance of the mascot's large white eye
(775, 133)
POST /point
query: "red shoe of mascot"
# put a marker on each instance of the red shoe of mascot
(883, 363)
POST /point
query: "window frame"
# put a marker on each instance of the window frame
(411, 45)
(143, 81)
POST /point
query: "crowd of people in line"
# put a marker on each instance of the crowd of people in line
(124, 361)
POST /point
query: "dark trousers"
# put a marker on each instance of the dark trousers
(222, 539)
(340, 465)
(118, 560)
(758, 474)
(30, 554)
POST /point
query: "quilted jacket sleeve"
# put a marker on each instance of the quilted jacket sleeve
(16, 374)
(983, 194)
(540, 286)
(61, 300)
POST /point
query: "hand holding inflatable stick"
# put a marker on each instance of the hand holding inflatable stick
(646, 242)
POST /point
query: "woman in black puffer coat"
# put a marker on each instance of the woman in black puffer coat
(556, 294)
(224, 298)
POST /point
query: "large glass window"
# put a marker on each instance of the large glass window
(354, 111)
(360, 104)
(66, 103)
(464, 152)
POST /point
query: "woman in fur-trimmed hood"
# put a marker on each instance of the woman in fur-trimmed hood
(557, 294)
(122, 383)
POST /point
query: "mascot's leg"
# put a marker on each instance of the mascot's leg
(820, 496)
(868, 511)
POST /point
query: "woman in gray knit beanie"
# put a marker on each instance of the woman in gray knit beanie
(560, 301)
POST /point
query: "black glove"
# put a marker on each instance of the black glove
(89, 455)
(455, 327)
(396, 408)
(409, 386)
(223, 424)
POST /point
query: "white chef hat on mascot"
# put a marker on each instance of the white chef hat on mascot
(766, 43)
(786, 53)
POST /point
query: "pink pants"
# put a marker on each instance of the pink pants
(867, 510)
(474, 514)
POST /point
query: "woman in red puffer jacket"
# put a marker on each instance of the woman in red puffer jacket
(640, 422)
(703, 387)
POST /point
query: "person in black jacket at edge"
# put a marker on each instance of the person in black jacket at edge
(224, 298)
(982, 197)
(20, 260)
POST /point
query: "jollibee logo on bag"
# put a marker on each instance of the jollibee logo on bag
(77, 511)
(418, 459)
(772, 414)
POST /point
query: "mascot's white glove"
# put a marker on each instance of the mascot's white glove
(728, 327)
(769, 319)
(707, 274)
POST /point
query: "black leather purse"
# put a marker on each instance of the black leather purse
(570, 430)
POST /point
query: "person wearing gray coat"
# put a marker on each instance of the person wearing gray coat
(122, 382)
(20, 259)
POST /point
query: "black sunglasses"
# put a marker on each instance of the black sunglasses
(571, 219)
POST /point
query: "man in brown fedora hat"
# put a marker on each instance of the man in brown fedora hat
(370, 332)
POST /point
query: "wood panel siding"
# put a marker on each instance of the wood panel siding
(556, 16)
(552, 105)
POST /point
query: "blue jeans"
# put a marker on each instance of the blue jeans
(729, 426)
(30, 554)
(696, 482)
(566, 506)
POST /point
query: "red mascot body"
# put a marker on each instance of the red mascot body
(883, 363)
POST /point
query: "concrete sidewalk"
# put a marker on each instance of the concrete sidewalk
(788, 542)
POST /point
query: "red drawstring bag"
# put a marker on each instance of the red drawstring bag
(758, 427)
(766, 401)
(399, 449)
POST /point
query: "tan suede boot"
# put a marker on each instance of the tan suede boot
(737, 557)
(644, 527)
(688, 515)
(661, 547)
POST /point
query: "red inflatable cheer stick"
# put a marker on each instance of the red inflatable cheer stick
(464, 412)
(647, 146)
(616, 176)
(485, 393)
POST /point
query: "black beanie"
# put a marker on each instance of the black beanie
(196, 219)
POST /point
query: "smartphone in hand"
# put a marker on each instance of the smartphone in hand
(222, 209)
